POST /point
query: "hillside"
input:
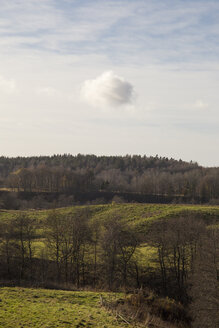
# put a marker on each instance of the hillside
(41, 308)
(23, 307)
(139, 215)
(111, 247)
(93, 177)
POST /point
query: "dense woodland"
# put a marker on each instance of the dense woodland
(76, 250)
(176, 180)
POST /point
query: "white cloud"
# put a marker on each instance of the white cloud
(108, 89)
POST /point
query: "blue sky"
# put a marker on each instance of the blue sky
(166, 52)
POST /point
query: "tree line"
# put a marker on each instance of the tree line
(75, 250)
(90, 173)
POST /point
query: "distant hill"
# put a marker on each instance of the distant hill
(154, 176)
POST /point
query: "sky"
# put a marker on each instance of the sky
(110, 77)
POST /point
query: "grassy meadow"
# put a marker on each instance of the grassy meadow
(140, 215)
(39, 308)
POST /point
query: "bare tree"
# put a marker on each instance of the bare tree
(54, 235)
(24, 233)
(205, 282)
(176, 241)
(118, 245)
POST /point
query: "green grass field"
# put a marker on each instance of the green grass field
(39, 308)
(138, 214)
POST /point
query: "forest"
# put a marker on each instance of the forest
(100, 178)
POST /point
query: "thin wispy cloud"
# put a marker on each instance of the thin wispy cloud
(161, 31)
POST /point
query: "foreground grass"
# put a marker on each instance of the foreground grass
(24, 307)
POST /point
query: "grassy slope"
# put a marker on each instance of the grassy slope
(139, 215)
(25, 307)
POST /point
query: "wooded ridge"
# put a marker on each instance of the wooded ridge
(70, 174)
